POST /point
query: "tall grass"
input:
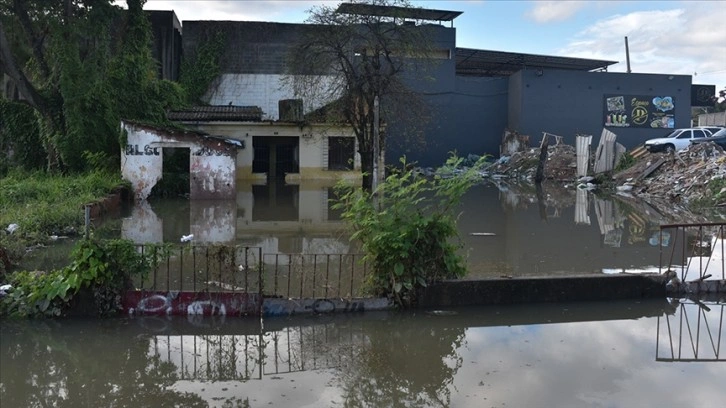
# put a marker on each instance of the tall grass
(43, 204)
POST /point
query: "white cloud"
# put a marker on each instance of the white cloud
(553, 11)
(677, 41)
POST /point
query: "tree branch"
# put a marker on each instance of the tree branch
(37, 39)
(9, 66)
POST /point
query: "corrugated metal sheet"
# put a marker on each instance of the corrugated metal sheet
(582, 143)
(605, 153)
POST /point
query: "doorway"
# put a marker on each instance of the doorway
(275, 155)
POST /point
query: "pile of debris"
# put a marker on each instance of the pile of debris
(682, 177)
(561, 164)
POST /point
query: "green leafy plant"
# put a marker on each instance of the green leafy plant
(626, 161)
(102, 268)
(407, 227)
(199, 71)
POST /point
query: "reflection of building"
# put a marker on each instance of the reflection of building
(280, 218)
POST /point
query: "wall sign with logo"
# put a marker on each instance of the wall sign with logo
(702, 95)
(639, 111)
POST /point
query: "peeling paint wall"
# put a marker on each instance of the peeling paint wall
(212, 174)
(141, 161)
(212, 161)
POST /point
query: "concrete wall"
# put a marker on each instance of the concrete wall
(467, 115)
(313, 146)
(712, 119)
(569, 102)
(263, 90)
(212, 162)
(167, 43)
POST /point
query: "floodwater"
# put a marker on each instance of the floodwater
(616, 354)
(505, 230)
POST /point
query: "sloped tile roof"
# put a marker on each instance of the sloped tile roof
(217, 113)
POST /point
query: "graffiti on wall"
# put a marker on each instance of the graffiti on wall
(134, 150)
(177, 303)
(285, 307)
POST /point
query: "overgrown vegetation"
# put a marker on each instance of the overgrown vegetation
(81, 66)
(98, 273)
(199, 71)
(626, 161)
(407, 227)
(42, 205)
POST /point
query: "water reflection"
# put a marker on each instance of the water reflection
(280, 218)
(529, 355)
(506, 229)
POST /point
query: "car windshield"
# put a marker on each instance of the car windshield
(673, 134)
(721, 133)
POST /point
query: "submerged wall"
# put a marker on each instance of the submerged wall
(211, 167)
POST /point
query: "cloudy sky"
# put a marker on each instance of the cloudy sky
(674, 37)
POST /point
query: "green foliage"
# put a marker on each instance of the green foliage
(44, 205)
(626, 162)
(48, 204)
(104, 268)
(94, 68)
(408, 236)
(716, 194)
(198, 72)
(20, 143)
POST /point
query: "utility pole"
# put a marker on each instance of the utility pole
(627, 53)
(376, 144)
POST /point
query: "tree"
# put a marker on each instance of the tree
(719, 101)
(353, 59)
(82, 65)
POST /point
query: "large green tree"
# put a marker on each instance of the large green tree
(81, 65)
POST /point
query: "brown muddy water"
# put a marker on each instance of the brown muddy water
(666, 353)
(618, 354)
(505, 230)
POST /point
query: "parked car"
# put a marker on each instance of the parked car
(719, 138)
(712, 129)
(677, 140)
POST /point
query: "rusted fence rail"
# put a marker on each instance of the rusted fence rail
(693, 252)
(241, 269)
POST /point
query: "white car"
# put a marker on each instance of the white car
(677, 140)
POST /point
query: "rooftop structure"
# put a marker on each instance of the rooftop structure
(473, 62)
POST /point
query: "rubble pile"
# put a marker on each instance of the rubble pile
(561, 164)
(682, 177)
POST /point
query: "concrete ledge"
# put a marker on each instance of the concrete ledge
(287, 307)
(544, 289)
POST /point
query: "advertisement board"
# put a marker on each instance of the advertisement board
(639, 111)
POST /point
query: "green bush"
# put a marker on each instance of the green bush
(103, 268)
(409, 236)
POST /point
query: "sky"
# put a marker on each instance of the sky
(665, 37)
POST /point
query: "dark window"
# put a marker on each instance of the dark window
(340, 153)
(686, 134)
(699, 133)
